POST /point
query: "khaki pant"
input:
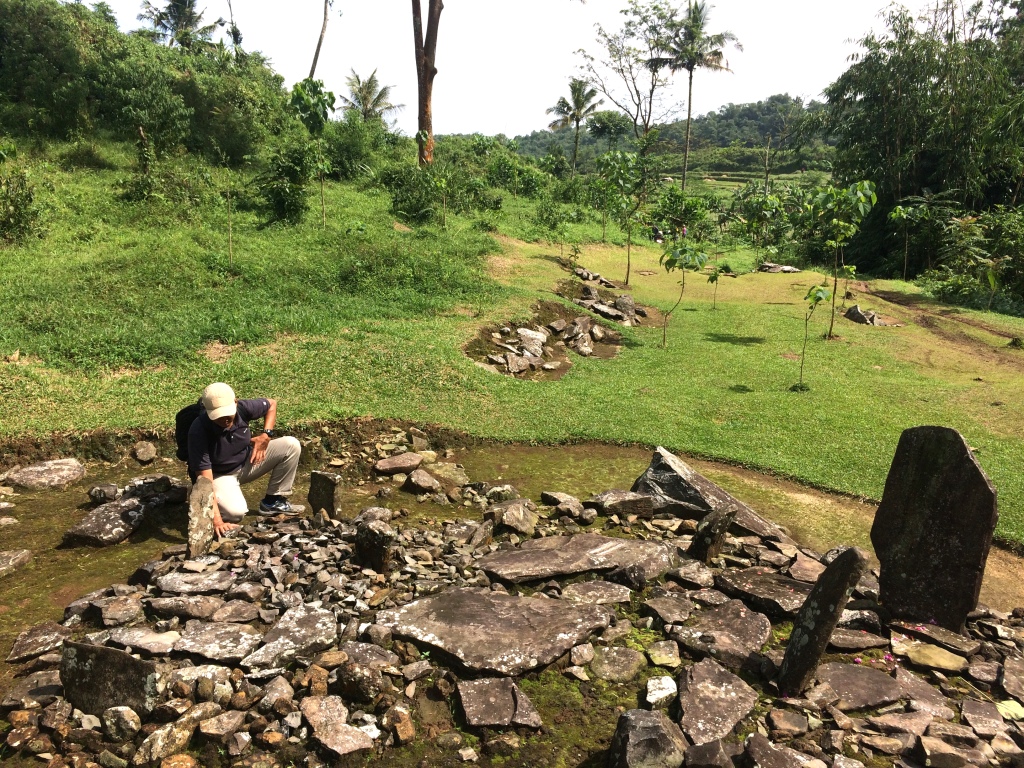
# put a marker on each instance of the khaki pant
(281, 461)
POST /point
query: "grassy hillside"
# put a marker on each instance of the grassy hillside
(122, 313)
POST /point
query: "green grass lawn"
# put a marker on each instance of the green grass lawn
(123, 313)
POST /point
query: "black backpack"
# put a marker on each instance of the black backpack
(182, 424)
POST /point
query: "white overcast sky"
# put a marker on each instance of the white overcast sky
(502, 64)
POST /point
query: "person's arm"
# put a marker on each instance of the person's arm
(260, 442)
(219, 526)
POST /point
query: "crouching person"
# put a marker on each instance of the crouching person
(221, 447)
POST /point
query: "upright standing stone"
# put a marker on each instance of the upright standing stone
(200, 518)
(96, 679)
(373, 545)
(710, 537)
(933, 529)
(817, 619)
(325, 493)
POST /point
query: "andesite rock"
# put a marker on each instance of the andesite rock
(680, 490)
(325, 493)
(622, 503)
(144, 639)
(933, 529)
(617, 665)
(859, 687)
(568, 555)
(191, 607)
(713, 701)
(213, 583)
(597, 593)
(38, 689)
(218, 641)
(493, 632)
(303, 630)
(399, 464)
(518, 514)
(817, 619)
(761, 588)
(59, 473)
(108, 524)
(669, 610)
(731, 633)
(328, 716)
(373, 545)
(40, 639)
(497, 702)
(96, 679)
(646, 740)
(951, 641)
(421, 481)
(144, 452)
(200, 518)
(710, 537)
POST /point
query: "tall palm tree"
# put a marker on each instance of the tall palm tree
(369, 97)
(180, 22)
(691, 47)
(573, 111)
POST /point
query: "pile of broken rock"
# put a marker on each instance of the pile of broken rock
(542, 348)
(303, 640)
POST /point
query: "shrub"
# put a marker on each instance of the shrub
(282, 187)
(85, 154)
(19, 215)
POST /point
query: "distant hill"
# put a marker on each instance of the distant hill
(729, 139)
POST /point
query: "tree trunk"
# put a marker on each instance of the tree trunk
(323, 202)
(629, 250)
(576, 149)
(320, 42)
(426, 49)
(231, 248)
(689, 115)
(835, 289)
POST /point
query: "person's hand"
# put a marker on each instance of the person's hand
(259, 449)
(221, 528)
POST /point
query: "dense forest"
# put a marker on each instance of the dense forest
(916, 150)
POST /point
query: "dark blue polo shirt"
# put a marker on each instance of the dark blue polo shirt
(223, 450)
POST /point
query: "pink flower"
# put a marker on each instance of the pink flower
(858, 660)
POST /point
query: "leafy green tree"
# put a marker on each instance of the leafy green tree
(714, 278)
(687, 257)
(815, 296)
(689, 45)
(180, 23)
(842, 211)
(629, 176)
(312, 104)
(610, 125)
(573, 111)
(369, 98)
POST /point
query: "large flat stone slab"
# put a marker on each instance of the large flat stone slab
(59, 473)
(218, 641)
(108, 524)
(40, 639)
(597, 593)
(678, 489)
(492, 632)
(302, 630)
(731, 633)
(933, 529)
(713, 701)
(765, 590)
(196, 583)
(553, 556)
(97, 678)
(859, 687)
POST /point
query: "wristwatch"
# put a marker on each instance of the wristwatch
(268, 432)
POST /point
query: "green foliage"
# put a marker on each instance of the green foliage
(312, 104)
(687, 257)
(432, 193)
(283, 186)
(816, 295)
(19, 214)
(353, 145)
